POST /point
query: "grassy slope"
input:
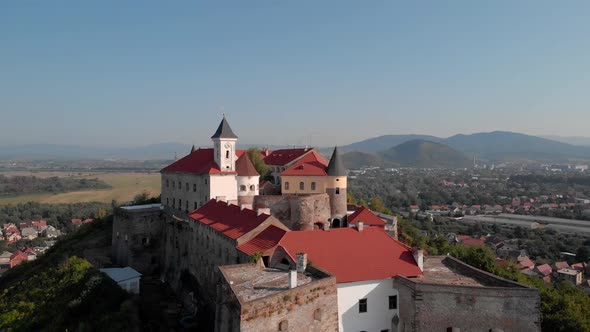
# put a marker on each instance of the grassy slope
(125, 187)
(60, 291)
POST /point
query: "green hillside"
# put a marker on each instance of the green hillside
(63, 292)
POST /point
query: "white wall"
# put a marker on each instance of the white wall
(224, 185)
(172, 192)
(248, 181)
(378, 316)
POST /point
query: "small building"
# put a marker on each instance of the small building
(365, 216)
(570, 275)
(126, 277)
(31, 254)
(255, 298)
(5, 260)
(50, 232)
(17, 258)
(29, 233)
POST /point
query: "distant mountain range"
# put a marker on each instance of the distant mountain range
(414, 153)
(574, 140)
(389, 149)
(497, 146)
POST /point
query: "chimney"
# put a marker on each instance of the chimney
(418, 257)
(244, 206)
(221, 199)
(360, 226)
(292, 278)
(301, 262)
(260, 211)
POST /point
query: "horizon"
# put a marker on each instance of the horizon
(111, 74)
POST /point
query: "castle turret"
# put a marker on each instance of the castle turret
(336, 188)
(248, 179)
(224, 146)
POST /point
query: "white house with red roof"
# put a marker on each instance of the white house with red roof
(364, 261)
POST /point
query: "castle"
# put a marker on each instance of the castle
(284, 254)
(311, 191)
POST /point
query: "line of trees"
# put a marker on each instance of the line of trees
(20, 185)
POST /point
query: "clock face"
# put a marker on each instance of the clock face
(227, 145)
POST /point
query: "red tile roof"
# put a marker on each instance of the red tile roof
(244, 166)
(77, 221)
(229, 220)
(544, 269)
(311, 164)
(366, 216)
(526, 264)
(351, 255)
(561, 265)
(263, 242)
(200, 161)
(284, 156)
(469, 241)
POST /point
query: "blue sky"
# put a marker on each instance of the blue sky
(290, 72)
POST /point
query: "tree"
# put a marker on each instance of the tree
(255, 156)
(583, 254)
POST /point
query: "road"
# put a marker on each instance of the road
(558, 224)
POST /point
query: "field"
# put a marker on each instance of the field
(125, 186)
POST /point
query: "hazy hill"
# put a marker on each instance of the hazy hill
(385, 142)
(497, 145)
(573, 140)
(414, 153)
(425, 154)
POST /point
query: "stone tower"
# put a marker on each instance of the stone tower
(224, 147)
(336, 189)
(248, 179)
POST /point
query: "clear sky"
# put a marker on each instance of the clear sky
(107, 73)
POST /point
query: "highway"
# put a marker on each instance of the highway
(558, 224)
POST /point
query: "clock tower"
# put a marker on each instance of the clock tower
(224, 147)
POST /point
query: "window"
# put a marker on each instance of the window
(284, 325)
(363, 305)
(252, 187)
(167, 183)
(173, 202)
(180, 204)
(173, 185)
(317, 314)
(196, 205)
(227, 154)
(186, 205)
(286, 185)
(167, 201)
(179, 185)
(392, 302)
(301, 186)
(186, 186)
(337, 191)
(194, 187)
(313, 186)
(242, 188)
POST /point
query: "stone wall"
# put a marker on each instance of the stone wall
(435, 307)
(137, 238)
(297, 212)
(312, 307)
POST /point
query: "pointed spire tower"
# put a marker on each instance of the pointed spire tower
(224, 146)
(336, 189)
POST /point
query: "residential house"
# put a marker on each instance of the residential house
(366, 217)
(5, 260)
(17, 258)
(31, 254)
(574, 276)
(545, 272)
(469, 241)
(525, 263)
(50, 232)
(29, 233)
(560, 265)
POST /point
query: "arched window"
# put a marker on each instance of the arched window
(242, 188)
(252, 187)
(313, 186)
(286, 185)
(337, 191)
(301, 186)
(226, 153)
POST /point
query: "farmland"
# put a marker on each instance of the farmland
(125, 185)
